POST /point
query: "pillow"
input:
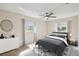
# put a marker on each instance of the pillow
(61, 36)
(60, 32)
(58, 35)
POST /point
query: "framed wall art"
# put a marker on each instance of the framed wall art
(6, 25)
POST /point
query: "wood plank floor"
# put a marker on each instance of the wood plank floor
(15, 52)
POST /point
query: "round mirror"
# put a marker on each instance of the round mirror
(6, 25)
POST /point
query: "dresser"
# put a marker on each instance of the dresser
(8, 44)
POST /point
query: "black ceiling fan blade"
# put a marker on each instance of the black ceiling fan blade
(50, 13)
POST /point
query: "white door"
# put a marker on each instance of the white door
(29, 37)
(29, 32)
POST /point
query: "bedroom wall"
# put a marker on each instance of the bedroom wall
(17, 24)
(78, 30)
(17, 21)
(52, 25)
(72, 26)
(41, 29)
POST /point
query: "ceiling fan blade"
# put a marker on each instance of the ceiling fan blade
(52, 16)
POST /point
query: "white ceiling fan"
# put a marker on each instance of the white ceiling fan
(48, 15)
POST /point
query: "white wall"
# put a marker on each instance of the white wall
(78, 30)
(42, 27)
(17, 24)
(72, 26)
(41, 30)
(52, 25)
(17, 21)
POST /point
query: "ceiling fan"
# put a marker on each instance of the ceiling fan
(48, 15)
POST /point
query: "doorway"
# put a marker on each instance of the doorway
(29, 31)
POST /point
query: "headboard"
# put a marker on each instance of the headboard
(67, 36)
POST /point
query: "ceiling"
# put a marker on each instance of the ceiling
(34, 10)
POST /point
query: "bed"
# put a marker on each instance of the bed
(54, 43)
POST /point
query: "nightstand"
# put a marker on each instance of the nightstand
(74, 43)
